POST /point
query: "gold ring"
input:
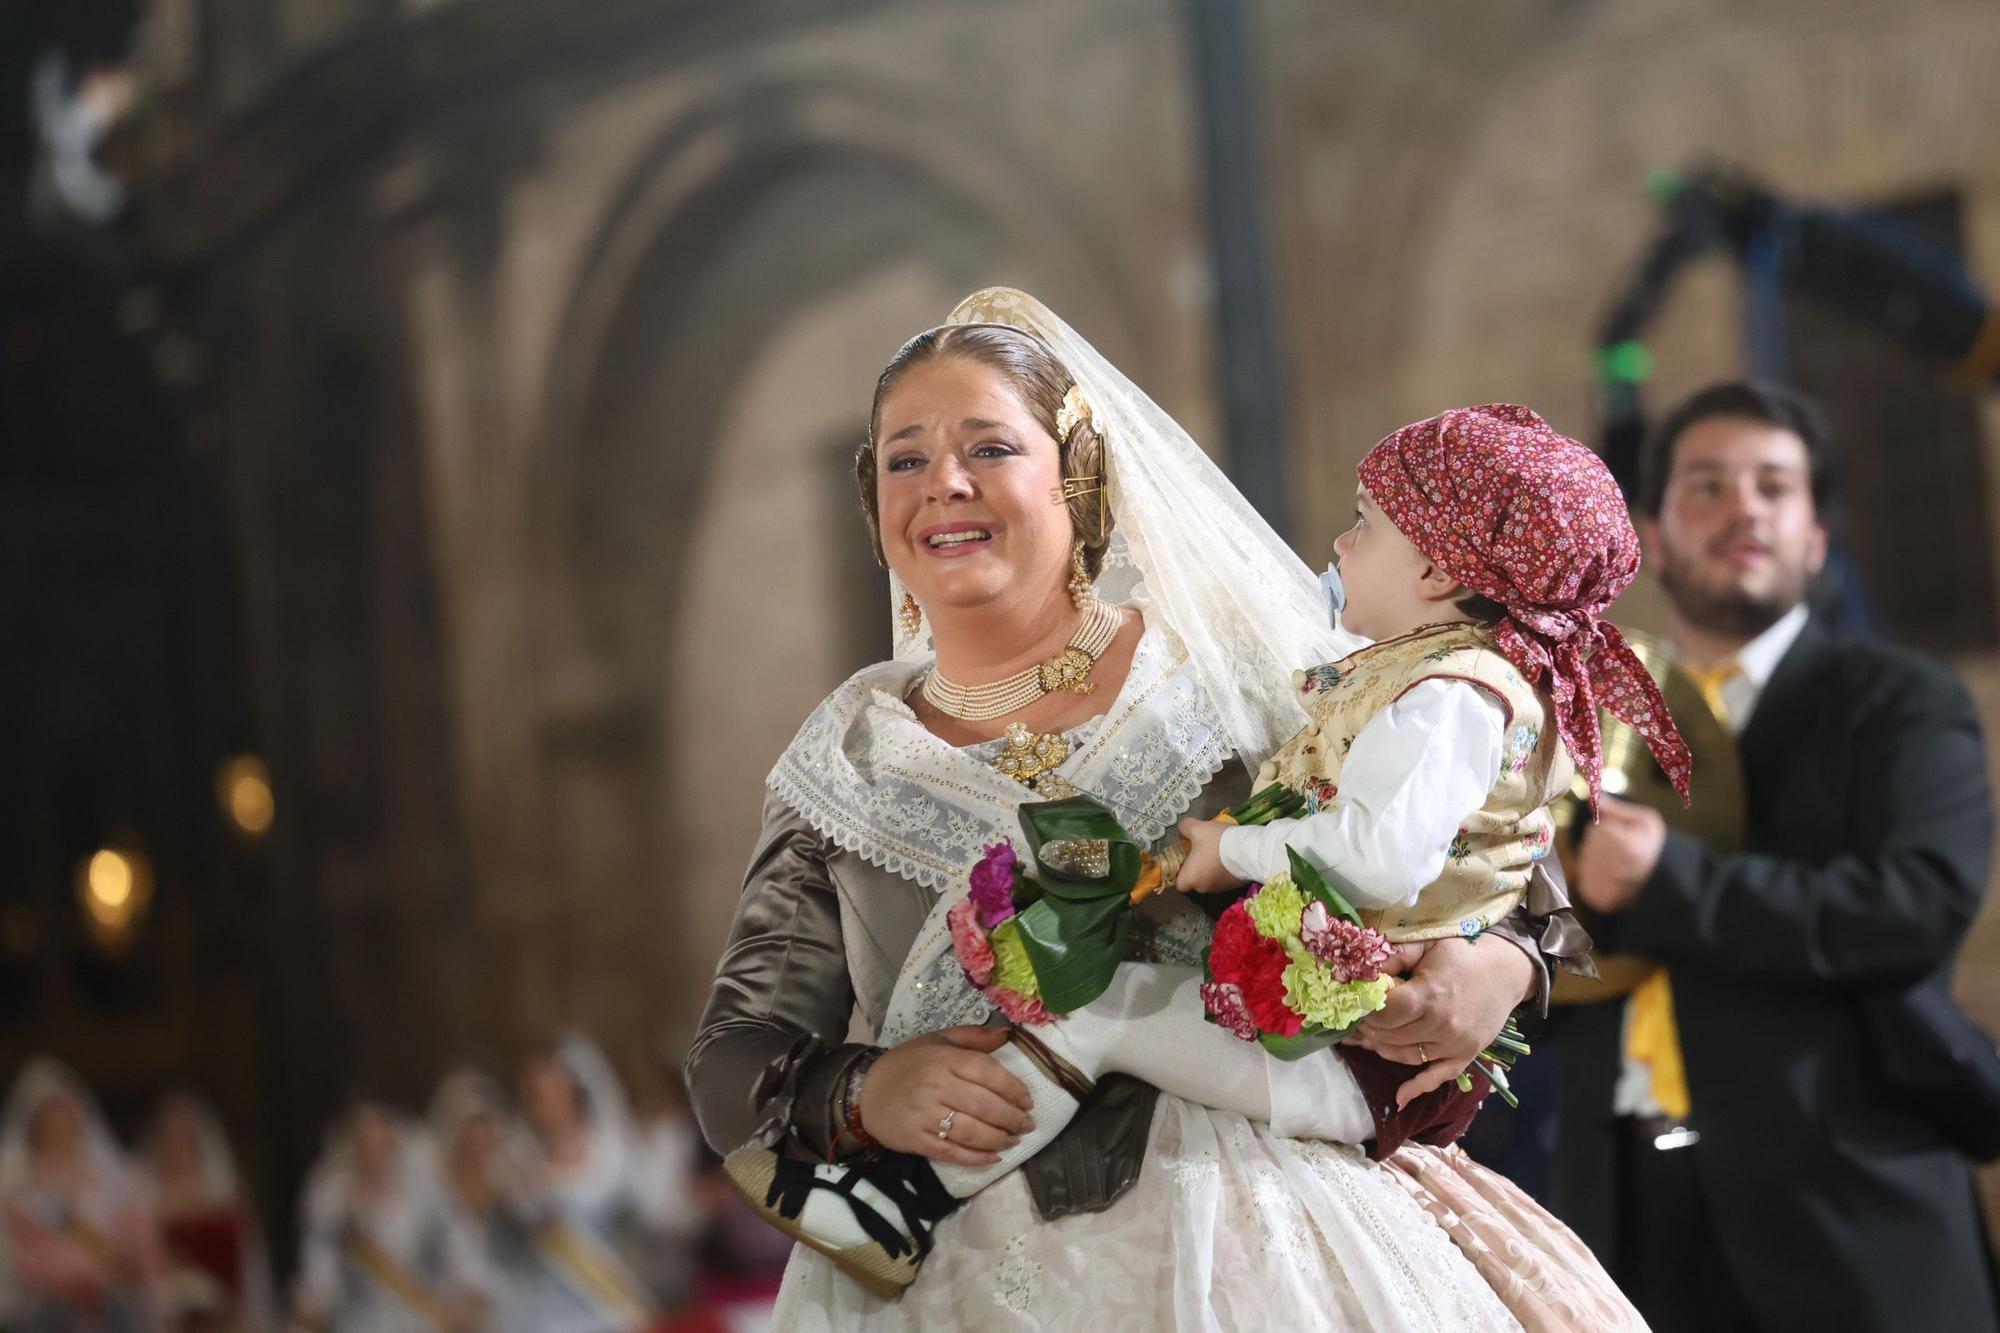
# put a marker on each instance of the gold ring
(944, 1125)
(1422, 1054)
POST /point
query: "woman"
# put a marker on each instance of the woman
(218, 1279)
(79, 1243)
(376, 1254)
(599, 1265)
(1148, 1210)
(482, 1162)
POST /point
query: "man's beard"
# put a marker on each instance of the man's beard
(1729, 612)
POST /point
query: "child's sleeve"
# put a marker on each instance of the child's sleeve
(1412, 776)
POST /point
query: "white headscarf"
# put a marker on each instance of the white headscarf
(219, 1180)
(332, 1193)
(111, 1178)
(222, 1185)
(602, 1181)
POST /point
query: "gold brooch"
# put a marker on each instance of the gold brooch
(1069, 670)
(1079, 858)
(1032, 758)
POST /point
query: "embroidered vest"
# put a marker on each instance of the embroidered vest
(1486, 871)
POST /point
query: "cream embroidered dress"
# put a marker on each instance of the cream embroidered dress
(1227, 1227)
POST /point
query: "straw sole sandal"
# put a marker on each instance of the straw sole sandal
(751, 1171)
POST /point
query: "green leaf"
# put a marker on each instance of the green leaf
(1073, 817)
(1082, 819)
(1314, 884)
(1075, 946)
(1300, 1046)
(1268, 804)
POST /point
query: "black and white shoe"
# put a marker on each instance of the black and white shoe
(873, 1219)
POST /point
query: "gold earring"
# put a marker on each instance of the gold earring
(1081, 589)
(911, 615)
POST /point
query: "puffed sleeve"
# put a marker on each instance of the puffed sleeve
(768, 1061)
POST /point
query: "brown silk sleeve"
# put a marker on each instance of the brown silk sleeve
(1546, 929)
(768, 1061)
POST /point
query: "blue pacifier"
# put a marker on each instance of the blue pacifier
(1336, 593)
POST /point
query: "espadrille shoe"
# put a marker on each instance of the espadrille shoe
(873, 1218)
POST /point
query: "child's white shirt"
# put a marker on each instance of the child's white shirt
(1415, 772)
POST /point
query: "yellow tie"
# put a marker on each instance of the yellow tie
(1651, 1037)
(1710, 680)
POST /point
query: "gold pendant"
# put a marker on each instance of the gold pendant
(1032, 758)
(1070, 670)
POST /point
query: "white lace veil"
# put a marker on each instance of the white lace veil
(1186, 542)
(333, 1177)
(221, 1184)
(219, 1179)
(40, 1080)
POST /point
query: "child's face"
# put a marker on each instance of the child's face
(1392, 587)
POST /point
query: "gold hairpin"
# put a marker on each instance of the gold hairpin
(1077, 487)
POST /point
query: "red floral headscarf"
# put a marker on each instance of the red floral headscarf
(1528, 517)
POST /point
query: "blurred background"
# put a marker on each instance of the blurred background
(425, 424)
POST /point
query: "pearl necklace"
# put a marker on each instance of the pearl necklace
(1069, 670)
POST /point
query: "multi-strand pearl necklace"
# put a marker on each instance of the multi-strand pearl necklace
(1069, 670)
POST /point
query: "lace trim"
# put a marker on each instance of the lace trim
(871, 780)
(868, 777)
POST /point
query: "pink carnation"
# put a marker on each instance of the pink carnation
(993, 884)
(1353, 953)
(1224, 1001)
(975, 955)
(1023, 1012)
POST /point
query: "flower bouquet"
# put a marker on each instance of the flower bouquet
(1293, 968)
(1044, 942)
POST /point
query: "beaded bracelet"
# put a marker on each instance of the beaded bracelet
(849, 1119)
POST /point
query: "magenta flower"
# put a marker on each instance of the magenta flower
(993, 884)
(975, 955)
(1351, 952)
(1224, 1000)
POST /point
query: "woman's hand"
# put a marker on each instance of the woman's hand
(1449, 1009)
(911, 1088)
(1203, 871)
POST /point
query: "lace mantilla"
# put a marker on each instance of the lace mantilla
(866, 774)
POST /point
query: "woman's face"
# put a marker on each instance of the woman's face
(967, 486)
(177, 1141)
(56, 1130)
(374, 1138)
(476, 1143)
(549, 1097)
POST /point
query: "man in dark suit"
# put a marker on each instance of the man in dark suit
(1727, 1139)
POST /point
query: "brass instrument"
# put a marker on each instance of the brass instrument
(1715, 815)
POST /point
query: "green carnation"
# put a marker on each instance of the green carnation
(1276, 908)
(1011, 968)
(1314, 992)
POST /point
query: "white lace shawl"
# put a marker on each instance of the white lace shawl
(866, 774)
